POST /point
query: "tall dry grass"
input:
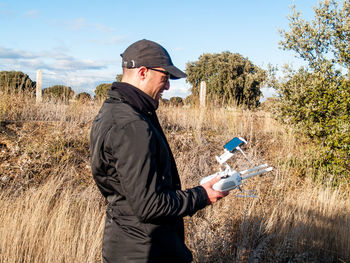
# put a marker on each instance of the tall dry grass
(57, 221)
(51, 211)
(294, 219)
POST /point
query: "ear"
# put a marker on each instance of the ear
(142, 73)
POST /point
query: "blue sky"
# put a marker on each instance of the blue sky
(78, 43)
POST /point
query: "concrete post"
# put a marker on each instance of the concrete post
(202, 94)
(38, 86)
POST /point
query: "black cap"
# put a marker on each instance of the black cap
(150, 54)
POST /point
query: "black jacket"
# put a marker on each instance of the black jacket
(134, 169)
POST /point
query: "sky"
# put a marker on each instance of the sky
(78, 43)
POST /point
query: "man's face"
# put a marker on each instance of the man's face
(158, 81)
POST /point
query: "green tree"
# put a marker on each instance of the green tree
(119, 77)
(191, 100)
(15, 81)
(163, 101)
(324, 41)
(58, 93)
(83, 97)
(316, 98)
(101, 91)
(176, 101)
(231, 79)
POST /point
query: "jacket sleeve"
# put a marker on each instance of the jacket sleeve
(134, 148)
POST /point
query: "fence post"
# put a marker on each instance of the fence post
(202, 94)
(38, 86)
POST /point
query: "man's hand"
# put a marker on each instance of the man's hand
(213, 195)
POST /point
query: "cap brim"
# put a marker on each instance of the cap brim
(175, 73)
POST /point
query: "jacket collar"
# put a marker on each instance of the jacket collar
(133, 96)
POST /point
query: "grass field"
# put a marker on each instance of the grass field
(51, 210)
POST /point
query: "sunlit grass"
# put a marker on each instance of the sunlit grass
(51, 210)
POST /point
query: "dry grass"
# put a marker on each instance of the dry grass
(58, 221)
(285, 225)
(51, 210)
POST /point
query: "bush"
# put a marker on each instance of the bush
(230, 79)
(176, 101)
(101, 91)
(83, 97)
(317, 104)
(15, 81)
(163, 101)
(316, 99)
(58, 93)
(191, 100)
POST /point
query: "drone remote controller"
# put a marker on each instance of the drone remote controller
(230, 178)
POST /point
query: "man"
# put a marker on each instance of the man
(134, 168)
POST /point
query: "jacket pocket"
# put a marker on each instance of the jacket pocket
(130, 225)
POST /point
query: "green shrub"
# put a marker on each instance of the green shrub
(101, 91)
(316, 98)
(15, 81)
(176, 101)
(230, 79)
(58, 93)
(163, 101)
(317, 104)
(83, 97)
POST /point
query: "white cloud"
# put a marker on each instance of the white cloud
(60, 68)
(178, 88)
(81, 23)
(79, 81)
(31, 13)
(70, 63)
(14, 53)
(177, 49)
(48, 60)
(88, 80)
(268, 92)
(77, 24)
(111, 41)
(104, 28)
(5, 11)
(79, 74)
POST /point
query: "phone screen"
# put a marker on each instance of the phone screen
(231, 145)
